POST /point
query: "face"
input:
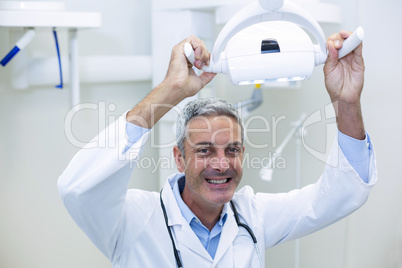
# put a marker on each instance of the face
(213, 160)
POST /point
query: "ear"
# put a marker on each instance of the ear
(179, 159)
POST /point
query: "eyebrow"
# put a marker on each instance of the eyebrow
(236, 143)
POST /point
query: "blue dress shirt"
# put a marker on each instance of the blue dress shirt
(357, 152)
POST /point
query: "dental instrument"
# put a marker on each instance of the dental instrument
(20, 45)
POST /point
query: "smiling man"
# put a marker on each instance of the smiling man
(210, 155)
(198, 219)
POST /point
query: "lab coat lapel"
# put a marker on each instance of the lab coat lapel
(229, 233)
(172, 209)
(185, 236)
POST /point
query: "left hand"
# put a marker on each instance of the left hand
(344, 78)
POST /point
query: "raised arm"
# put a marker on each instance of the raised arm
(180, 82)
(344, 79)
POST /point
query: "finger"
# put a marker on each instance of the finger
(358, 56)
(333, 36)
(205, 56)
(332, 58)
(337, 40)
(177, 56)
(196, 43)
(201, 53)
(345, 34)
(359, 50)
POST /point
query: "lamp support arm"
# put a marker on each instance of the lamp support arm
(271, 4)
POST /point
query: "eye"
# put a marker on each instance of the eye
(233, 150)
(203, 150)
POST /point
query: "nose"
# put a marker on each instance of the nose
(220, 162)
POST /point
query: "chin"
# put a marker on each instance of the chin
(222, 199)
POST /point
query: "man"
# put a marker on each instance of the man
(192, 221)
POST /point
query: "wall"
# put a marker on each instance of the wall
(378, 225)
(36, 230)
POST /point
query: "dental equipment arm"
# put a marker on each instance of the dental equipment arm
(271, 4)
(247, 106)
(20, 45)
(266, 171)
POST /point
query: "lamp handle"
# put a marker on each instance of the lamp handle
(189, 52)
(351, 42)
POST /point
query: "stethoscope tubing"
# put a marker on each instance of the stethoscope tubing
(236, 215)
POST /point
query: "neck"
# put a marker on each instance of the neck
(208, 214)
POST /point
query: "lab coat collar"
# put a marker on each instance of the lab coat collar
(172, 209)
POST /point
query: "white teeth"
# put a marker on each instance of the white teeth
(217, 181)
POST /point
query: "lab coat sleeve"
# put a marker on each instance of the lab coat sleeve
(94, 185)
(338, 192)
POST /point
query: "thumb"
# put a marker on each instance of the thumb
(206, 78)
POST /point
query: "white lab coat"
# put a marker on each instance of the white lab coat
(129, 227)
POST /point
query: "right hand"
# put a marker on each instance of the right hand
(180, 76)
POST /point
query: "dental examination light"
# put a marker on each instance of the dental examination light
(279, 51)
(20, 45)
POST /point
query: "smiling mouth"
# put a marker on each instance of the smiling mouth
(218, 181)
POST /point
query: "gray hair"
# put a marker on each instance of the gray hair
(204, 107)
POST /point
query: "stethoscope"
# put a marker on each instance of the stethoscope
(236, 215)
